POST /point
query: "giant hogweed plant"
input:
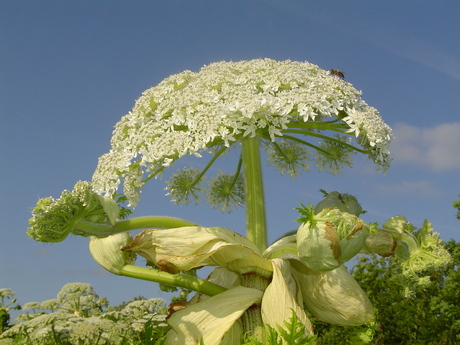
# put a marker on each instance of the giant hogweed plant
(300, 115)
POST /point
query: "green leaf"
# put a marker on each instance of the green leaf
(295, 332)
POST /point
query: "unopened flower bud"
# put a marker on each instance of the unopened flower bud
(381, 243)
(330, 239)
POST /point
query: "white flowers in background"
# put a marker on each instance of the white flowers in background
(61, 325)
(81, 299)
(142, 307)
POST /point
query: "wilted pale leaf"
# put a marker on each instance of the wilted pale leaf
(192, 247)
(284, 248)
(278, 302)
(212, 319)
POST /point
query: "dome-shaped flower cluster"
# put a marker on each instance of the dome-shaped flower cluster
(189, 113)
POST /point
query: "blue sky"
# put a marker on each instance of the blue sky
(70, 69)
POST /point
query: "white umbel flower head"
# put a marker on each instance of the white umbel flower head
(189, 113)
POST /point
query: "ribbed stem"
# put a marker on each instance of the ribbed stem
(256, 227)
(252, 318)
(252, 323)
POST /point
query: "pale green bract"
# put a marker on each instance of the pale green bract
(191, 113)
(334, 239)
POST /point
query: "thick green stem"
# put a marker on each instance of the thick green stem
(256, 227)
(84, 228)
(253, 324)
(252, 318)
(187, 282)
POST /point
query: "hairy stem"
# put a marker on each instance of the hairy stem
(256, 227)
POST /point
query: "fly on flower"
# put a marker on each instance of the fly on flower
(337, 72)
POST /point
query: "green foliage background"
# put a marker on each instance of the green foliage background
(431, 316)
(456, 204)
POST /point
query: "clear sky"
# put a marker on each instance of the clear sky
(70, 69)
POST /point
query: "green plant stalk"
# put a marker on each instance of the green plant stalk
(184, 281)
(252, 318)
(256, 227)
(253, 324)
(85, 228)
